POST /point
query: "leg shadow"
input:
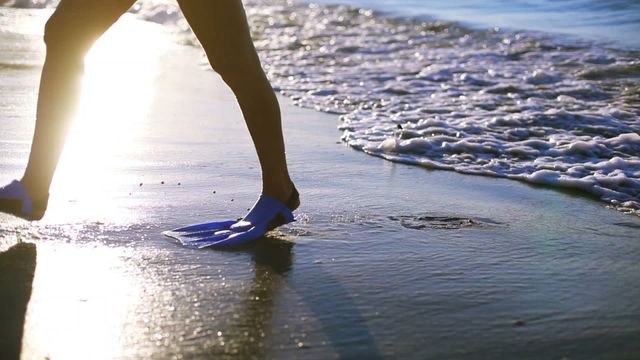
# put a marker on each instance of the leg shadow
(337, 312)
(17, 266)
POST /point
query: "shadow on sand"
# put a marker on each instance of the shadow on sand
(17, 266)
(345, 327)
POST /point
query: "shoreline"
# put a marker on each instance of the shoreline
(385, 260)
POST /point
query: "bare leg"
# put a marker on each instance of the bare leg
(221, 26)
(69, 34)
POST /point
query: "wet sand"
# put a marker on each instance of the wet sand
(385, 261)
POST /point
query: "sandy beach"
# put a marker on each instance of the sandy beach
(385, 260)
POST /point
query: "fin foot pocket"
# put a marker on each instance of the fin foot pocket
(15, 200)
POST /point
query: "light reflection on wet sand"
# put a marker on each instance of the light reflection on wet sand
(82, 298)
(118, 91)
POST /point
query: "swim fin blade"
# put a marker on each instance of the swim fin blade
(265, 215)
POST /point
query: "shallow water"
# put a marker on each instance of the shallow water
(520, 105)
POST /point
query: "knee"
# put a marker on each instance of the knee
(235, 71)
(228, 69)
(63, 35)
(54, 32)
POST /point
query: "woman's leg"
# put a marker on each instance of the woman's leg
(69, 34)
(221, 26)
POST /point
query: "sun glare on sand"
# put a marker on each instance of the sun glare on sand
(81, 308)
(85, 298)
(118, 92)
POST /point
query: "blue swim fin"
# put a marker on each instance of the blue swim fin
(15, 200)
(265, 215)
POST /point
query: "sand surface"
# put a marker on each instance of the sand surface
(385, 260)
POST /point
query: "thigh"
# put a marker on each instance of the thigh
(222, 29)
(81, 22)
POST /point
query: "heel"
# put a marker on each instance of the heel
(294, 199)
(284, 217)
(38, 208)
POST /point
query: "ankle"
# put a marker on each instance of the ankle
(35, 191)
(283, 192)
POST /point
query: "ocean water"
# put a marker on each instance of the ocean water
(473, 97)
(614, 21)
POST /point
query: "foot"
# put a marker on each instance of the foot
(259, 210)
(15, 200)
